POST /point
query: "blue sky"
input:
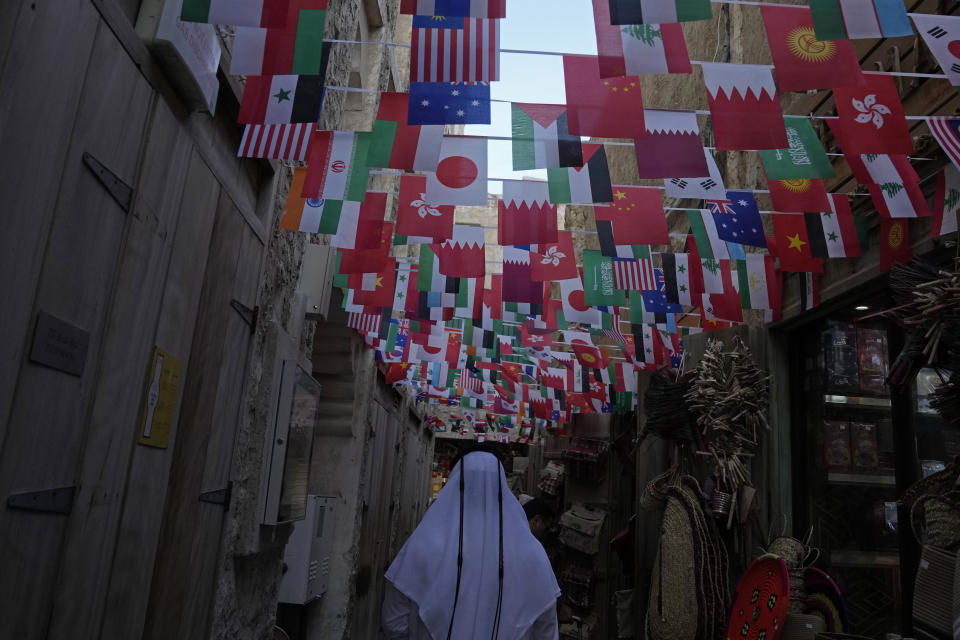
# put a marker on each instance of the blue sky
(559, 25)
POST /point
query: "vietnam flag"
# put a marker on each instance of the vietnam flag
(636, 216)
(894, 243)
(793, 244)
(374, 289)
(602, 107)
(802, 61)
(418, 217)
(797, 196)
(870, 118)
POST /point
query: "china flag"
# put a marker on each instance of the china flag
(636, 216)
(870, 118)
(397, 372)
(894, 242)
(803, 62)
(798, 196)
(793, 244)
(601, 107)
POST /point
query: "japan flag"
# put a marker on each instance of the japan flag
(461, 176)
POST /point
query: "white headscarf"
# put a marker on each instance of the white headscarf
(425, 570)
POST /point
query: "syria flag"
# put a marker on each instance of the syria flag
(525, 216)
(282, 99)
(798, 196)
(835, 229)
(462, 256)
(638, 49)
(871, 119)
(635, 216)
(802, 61)
(744, 107)
(601, 107)
(398, 145)
(793, 244)
(461, 176)
(894, 243)
(418, 217)
(554, 261)
(671, 147)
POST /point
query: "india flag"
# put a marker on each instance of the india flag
(312, 215)
(852, 19)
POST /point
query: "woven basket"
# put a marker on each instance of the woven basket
(673, 609)
(798, 626)
(940, 514)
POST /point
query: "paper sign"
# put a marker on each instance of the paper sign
(160, 400)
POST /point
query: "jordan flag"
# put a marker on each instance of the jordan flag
(744, 107)
(635, 216)
(524, 216)
(282, 99)
(461, 176)
(946, 202)
(942, 35)
(588, 184)
(798, 195)
(601, 107)
(554, 261)
(894, 243)
(416, 216)
(802, 61)
(398, 145)
(638, 49)
(671, 147)
(871, 118)
(541, 138)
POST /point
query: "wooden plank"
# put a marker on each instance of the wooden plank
(48, 422)
(49, 46)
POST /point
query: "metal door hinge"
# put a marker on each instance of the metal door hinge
(59, 500)
(249, 315)
(219, 496)
(117, 188)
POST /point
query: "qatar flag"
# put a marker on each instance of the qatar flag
(461, 176)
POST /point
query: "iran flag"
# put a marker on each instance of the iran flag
(461, 176)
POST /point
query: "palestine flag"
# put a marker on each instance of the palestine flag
(283, 99)
(541, 139)
(804, 159)
(658, 11)
(588, 184)
(296, 49)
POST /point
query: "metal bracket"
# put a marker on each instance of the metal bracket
(249, 315)
(117, 188)
(59, 500)
(219, 496)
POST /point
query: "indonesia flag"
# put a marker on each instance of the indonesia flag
(638, 49)
(276, 141)
(455, 50)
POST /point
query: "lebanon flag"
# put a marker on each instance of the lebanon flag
(601, 107)
(416, 216)
(588, 184)
(447, 49)
(541, 138)
(636, 216)
(893, 183)
(271, 14)
(337, 169)
(282, 99)
(942, 35)
(833, 233)
(946, 202)
(455, 8)
(463, 255)
(802, 61)
(575, 308)
(461, 176)
(744, 107)
(894, 243)
(799, 195)
(297, 48)
(793, 244)
(658, 11)
(554, 261)
(398, 145)
(524, 216)
(638, 49)
(870, 118)
(672, 146)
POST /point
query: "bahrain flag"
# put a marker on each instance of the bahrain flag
(744, 107)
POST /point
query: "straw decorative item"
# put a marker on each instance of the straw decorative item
(760, 604)
(797, 556)
(940, 514)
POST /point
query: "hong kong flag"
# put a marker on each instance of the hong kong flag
(602, 107)
(799, 195)
(549, 262)
(744, 107)
(417, 216)
(870, 118)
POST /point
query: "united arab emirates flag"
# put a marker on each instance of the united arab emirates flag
(804, 158)
(658, 11)
(398, 145)
(295, 49)
(541, 139)
(282, 99)
(588, 184)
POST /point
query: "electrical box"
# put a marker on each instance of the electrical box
(316, 279)
(307, 556)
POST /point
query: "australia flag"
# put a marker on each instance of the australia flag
(449, 103)
(738, 219)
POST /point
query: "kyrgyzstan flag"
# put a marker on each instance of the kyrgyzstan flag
(461, 176)
(282, 99)
(601, 107)
(554, 261)
(638, 49)
(524, 215)
(802, 61)
(799, 195)
(744, 107)
(793, 244)
(589, 356)
(635, 216)
(398, 145)
(298, 48)
(416, 216)
(871, 119)
(894, 243)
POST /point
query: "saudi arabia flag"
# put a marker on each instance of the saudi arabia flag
(541, 139)
(588, 184)
(804, 159)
